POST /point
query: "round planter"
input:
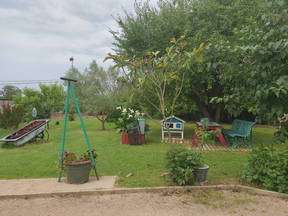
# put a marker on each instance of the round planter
(200, 174)
(78, 172)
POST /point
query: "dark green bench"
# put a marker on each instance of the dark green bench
(239, 134)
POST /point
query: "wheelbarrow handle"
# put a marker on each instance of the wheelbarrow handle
(68, 79)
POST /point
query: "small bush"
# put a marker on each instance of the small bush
(181, 164)
(268, 168)
(11, 116)
(281, 135)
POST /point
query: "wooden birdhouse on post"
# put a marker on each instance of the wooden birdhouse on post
(174, 125)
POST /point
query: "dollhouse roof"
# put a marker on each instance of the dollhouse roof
(173, 119)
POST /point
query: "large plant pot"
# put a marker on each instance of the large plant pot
(78, 172)
(125, 138)
(200, 174)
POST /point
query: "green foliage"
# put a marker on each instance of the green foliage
(281, 135)
(181, 163)
(150, 29)
(11, 116)
(152, 75)
(206, 136)
(9, 91)
(245, 58)
(268, 167)
(49, 99)
(98, 90)
(261, 54)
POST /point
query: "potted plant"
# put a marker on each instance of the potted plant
(185, 166)
(125, 118)
(205, 136)
(78, 168)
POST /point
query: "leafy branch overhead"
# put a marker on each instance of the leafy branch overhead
(155, 74)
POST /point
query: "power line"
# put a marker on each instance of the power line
(25, 82)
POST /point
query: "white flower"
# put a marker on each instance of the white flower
(131, 110)
(137, 113)
(130, 116)
(118, 108)
(124, 110)
(142, 114)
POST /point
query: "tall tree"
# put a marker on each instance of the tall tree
(159, 79)
(211, 22)
(261, 85)
(8, 91)
(98, 90)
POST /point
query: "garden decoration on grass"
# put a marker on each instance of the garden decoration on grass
(62, 155)
(126, 121)
(173, 125)
(34, 130)
(240, 134)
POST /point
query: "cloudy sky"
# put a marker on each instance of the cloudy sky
(37, 37)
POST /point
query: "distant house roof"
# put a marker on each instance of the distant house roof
(170, 119)
(4, 102)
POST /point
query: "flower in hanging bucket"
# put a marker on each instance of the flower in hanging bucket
(70, 157)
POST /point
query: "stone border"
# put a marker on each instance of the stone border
(170, 189)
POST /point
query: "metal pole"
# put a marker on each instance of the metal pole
(84, 131)
(61, 154)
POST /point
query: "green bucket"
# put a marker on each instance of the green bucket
(78, 172)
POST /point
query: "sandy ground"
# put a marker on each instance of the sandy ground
(213, 203)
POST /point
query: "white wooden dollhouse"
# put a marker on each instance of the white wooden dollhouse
(174, 125)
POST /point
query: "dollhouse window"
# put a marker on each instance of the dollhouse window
(169, 125)
(178, 126)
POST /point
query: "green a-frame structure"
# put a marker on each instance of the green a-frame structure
(87, 140)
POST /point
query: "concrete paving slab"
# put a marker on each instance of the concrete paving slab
(18, 187)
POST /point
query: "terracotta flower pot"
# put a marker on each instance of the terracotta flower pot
(125, 138)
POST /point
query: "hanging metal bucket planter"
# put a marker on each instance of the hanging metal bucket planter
(78, 172)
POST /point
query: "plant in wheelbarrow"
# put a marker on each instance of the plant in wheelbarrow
(185, 166)
(78, 167)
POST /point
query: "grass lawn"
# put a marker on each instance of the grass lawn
(147, 162)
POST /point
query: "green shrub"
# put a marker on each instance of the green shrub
(281, 135)
(11, 116)
(181, 164)
(268, 168)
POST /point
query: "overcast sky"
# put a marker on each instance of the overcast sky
(39, 36)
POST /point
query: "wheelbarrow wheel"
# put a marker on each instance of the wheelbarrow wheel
(44, 136)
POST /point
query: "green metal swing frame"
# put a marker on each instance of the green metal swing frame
(87, 140)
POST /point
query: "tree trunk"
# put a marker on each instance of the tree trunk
(217, 116)
(102, 119)
(203, 108)
(103, 124)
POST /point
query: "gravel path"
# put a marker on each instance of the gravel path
(213, 203)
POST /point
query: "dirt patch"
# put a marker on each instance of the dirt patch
(204, 203)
